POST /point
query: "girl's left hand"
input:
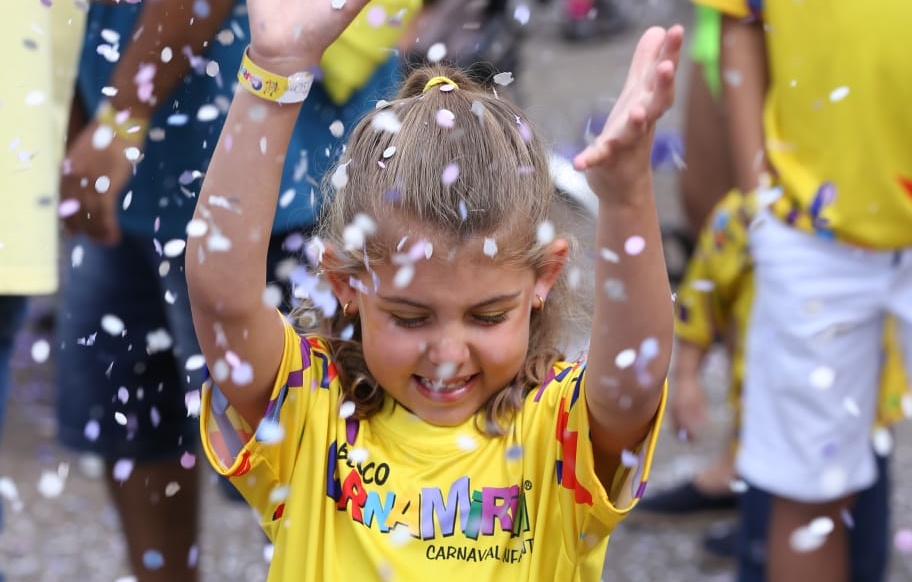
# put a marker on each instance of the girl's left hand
(620, 155)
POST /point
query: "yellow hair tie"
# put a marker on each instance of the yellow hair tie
(439, 81)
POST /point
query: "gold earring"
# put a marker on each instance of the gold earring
(541, 303)
(345, 308)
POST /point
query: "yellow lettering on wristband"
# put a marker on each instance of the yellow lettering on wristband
(272, 87)
(132, 129)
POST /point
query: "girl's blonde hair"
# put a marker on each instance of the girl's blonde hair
(393, 165)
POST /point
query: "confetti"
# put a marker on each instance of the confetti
(338, 4)
(634, 245)
(102, 137)
(466, 442)
(833, 482)
(337, 128)
(738, 486)
(702, 285)
(153, 559)
(545, 232)
(609, 255)
(389, 152)
(41, 349)
(188, 460)
(376, 16)
(51, 483)
(172, 488)
(279, 494)
(272, 296)
(133, 154)
(822, 377)
(803, 540)
(436, 52)
(68, 207)
(102, 184)
(446, 118)
(339, 177)
(207, 112)
(838, 94)
(386, 121)
(166, 54)
(193, 403)
(92, 430)
(174, 247)
(270, 431)
(112, 324)
(197, 227)
(450, 174)
(404, 276)
(503, 79)
(10, 493)
(346, 409)
(490, 247)
(882, 439)
(521, 14)
(625, 359)
(629, 459)
(902, 540)
(514, 452)
(357, 455)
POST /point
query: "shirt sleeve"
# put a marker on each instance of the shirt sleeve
(715, 273)
(259, 462)
(589, 511)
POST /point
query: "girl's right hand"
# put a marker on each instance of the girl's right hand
(287, 36)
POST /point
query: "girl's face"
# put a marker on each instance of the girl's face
(455, 335)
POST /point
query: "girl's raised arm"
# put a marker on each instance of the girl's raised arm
(632, 326)
(238, 199)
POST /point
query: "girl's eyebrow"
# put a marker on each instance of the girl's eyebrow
(413, 303)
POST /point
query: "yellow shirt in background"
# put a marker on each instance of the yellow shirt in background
(837, 117)
(395, 498)
(39, 45)
(714, 300)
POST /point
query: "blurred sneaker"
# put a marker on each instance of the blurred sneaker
(685, 500)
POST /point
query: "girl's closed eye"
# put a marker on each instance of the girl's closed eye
(492, 318)
(408, 321)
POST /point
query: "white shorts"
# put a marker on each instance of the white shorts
(813, 355)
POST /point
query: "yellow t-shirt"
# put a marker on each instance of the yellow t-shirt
(394, 498)
(39, 44)
(368, 42)
(837, 117)
(714, 299)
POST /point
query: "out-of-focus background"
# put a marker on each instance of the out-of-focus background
(74, 535)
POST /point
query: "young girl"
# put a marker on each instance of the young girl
(431, 425)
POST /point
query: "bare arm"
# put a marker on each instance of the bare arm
(162, 23)
(238, 201)
(743, 62)
(623, 396)
(688, 405)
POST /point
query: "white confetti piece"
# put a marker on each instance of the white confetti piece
(545, 233)
(337, 128)
(634, 245)
(833, 482)
(102, 137)
(197, 227)
(102, 184)
(92, 430)
(68, 207)
(279, 494)
(389, 152)
(803, 540)
(339, 177)
(404, 276)
(490, 247)
(166, 54)
(851, 406)
(133, 154)
(52, 483)
(702, 285)
(270, 431)
(450, 174)
(120, 418)
(174, 247)
(112, 324)
(346, 409)
(357, 455)
(732, 77)
(839, 93)
(522, 14)
(882, 439)
(10, 493)
(193, 403)
(338, 4)
(158, 340)
(503, 79)
(172, 488)
(903, 540)
(272, 296)
(207, 112)
(446, 118)
(436, 52)
(822, 377)
(195, 362)
(153, 559)
(625, 359)
(609, 255)
(466, 442)
(821, 526)
(386, 121)
(41, 349)
(629, 459)
(738, 486)
(242, 373)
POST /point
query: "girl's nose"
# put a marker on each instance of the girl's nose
(448, 349)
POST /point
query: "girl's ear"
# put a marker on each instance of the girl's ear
(339, 279)
(556, 255)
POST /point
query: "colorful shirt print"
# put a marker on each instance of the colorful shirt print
(836, 116)
(394, 498)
